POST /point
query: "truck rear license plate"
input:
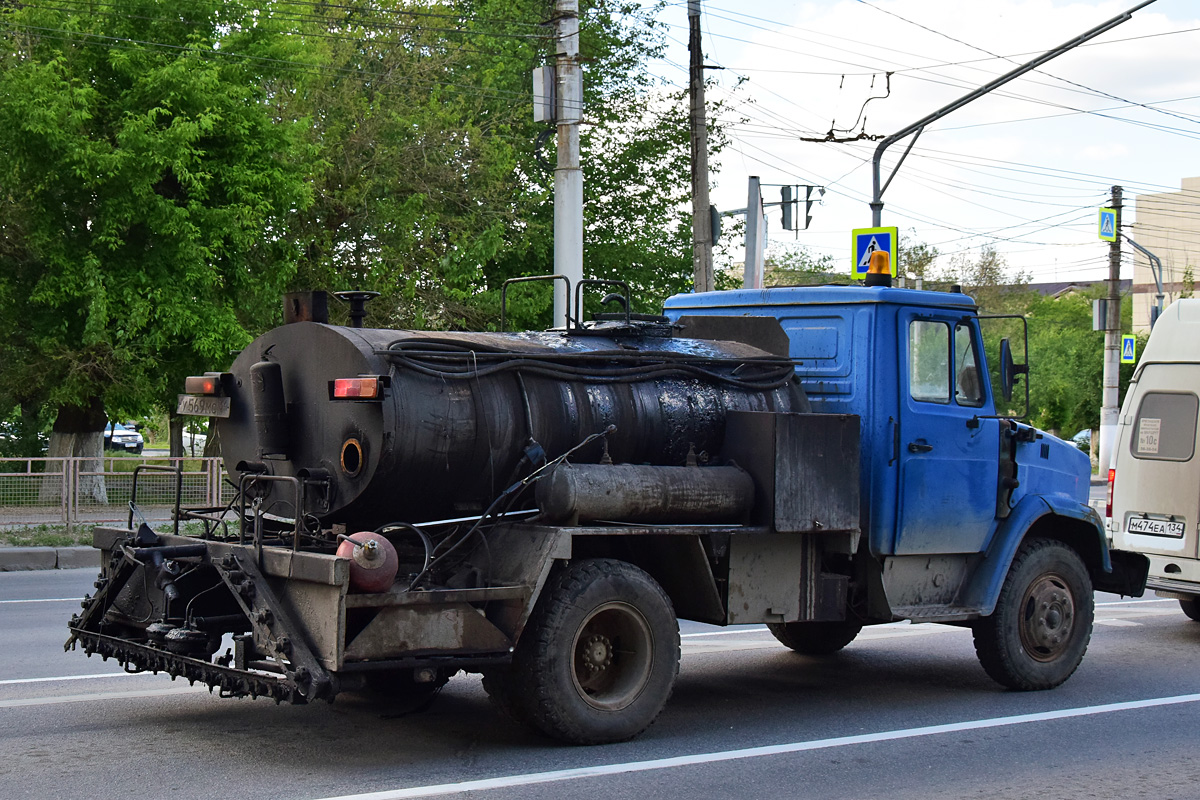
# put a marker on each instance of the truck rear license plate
(203, 406)
(1156, 527)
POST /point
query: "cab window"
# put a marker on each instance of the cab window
(929, 361)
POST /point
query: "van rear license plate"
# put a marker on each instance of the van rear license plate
(203, 406)
(1156, 527)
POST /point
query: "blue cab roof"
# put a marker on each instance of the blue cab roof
(818, 295)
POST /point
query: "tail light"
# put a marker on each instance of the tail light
(367, 387)
(209, 385)
(1112, 479)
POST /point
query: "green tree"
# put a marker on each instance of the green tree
(434, 184)
(146, 180)
(917, 258)
(792, 265)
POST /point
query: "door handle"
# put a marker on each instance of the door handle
(914, 447)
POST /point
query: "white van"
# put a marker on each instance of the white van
(1154, 482)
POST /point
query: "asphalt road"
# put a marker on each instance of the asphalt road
(904, 712)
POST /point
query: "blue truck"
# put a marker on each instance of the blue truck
(542, 507)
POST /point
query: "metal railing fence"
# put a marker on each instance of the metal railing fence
(59, 491)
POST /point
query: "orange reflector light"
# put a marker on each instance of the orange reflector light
(356, 388)
(202, 384)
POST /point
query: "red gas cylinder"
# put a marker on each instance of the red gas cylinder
(373, 561)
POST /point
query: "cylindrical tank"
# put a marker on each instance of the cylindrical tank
(575, 493)
(460, 413)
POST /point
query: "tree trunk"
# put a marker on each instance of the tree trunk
(176, 438)
(212, 443)
(78, 432)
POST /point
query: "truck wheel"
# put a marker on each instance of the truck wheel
(1040, 629)
(598, 658)
(501, 686)
(1191, 607)
(815, 638)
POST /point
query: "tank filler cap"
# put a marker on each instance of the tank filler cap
(358, 304)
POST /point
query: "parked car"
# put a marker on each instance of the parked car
(119, 437)
(1083, 440)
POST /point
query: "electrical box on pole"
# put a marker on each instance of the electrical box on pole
(545, 95)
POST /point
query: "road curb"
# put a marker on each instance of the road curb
(19, 559)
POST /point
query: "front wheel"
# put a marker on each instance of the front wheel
(1191, 607)
(1040, 629)
(598, 658)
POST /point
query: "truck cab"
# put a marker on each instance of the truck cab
(949, 488)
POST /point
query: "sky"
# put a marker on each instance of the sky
(1023, 169)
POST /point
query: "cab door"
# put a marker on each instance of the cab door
(947, 452)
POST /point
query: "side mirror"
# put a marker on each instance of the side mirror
(1008, 370)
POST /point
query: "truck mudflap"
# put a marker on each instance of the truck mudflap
(138, 584)
(1056, 516)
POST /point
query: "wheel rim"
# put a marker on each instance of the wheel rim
(612, 656)
(1048, 617)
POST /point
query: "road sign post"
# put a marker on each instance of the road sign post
(866, 241)
(1108, 224)
(1128, 349)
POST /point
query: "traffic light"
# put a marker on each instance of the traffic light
(789, 222)
(808, 201)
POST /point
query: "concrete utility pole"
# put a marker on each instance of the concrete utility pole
(702, 235)
(568, 175)
(1110, 404)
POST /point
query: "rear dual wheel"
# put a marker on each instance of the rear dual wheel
(598, 658)
(815, 638)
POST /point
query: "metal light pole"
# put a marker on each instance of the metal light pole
(919, 125)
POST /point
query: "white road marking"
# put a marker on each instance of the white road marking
(87, 698)
(12, 681)
(555, 776)
(46, 600)
(1136, 602)
(1119, 623)
(730, 632)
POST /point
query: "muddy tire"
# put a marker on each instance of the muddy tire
(1191, 607)
(502, 690)
(815, 638)
(597, 661)
(1040, 629)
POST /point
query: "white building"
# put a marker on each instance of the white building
(1168, 225)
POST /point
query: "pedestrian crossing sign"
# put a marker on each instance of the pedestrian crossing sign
(867, 241)
(1108, 224)
(1128, 349)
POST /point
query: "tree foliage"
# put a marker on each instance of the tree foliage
(146, 182)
